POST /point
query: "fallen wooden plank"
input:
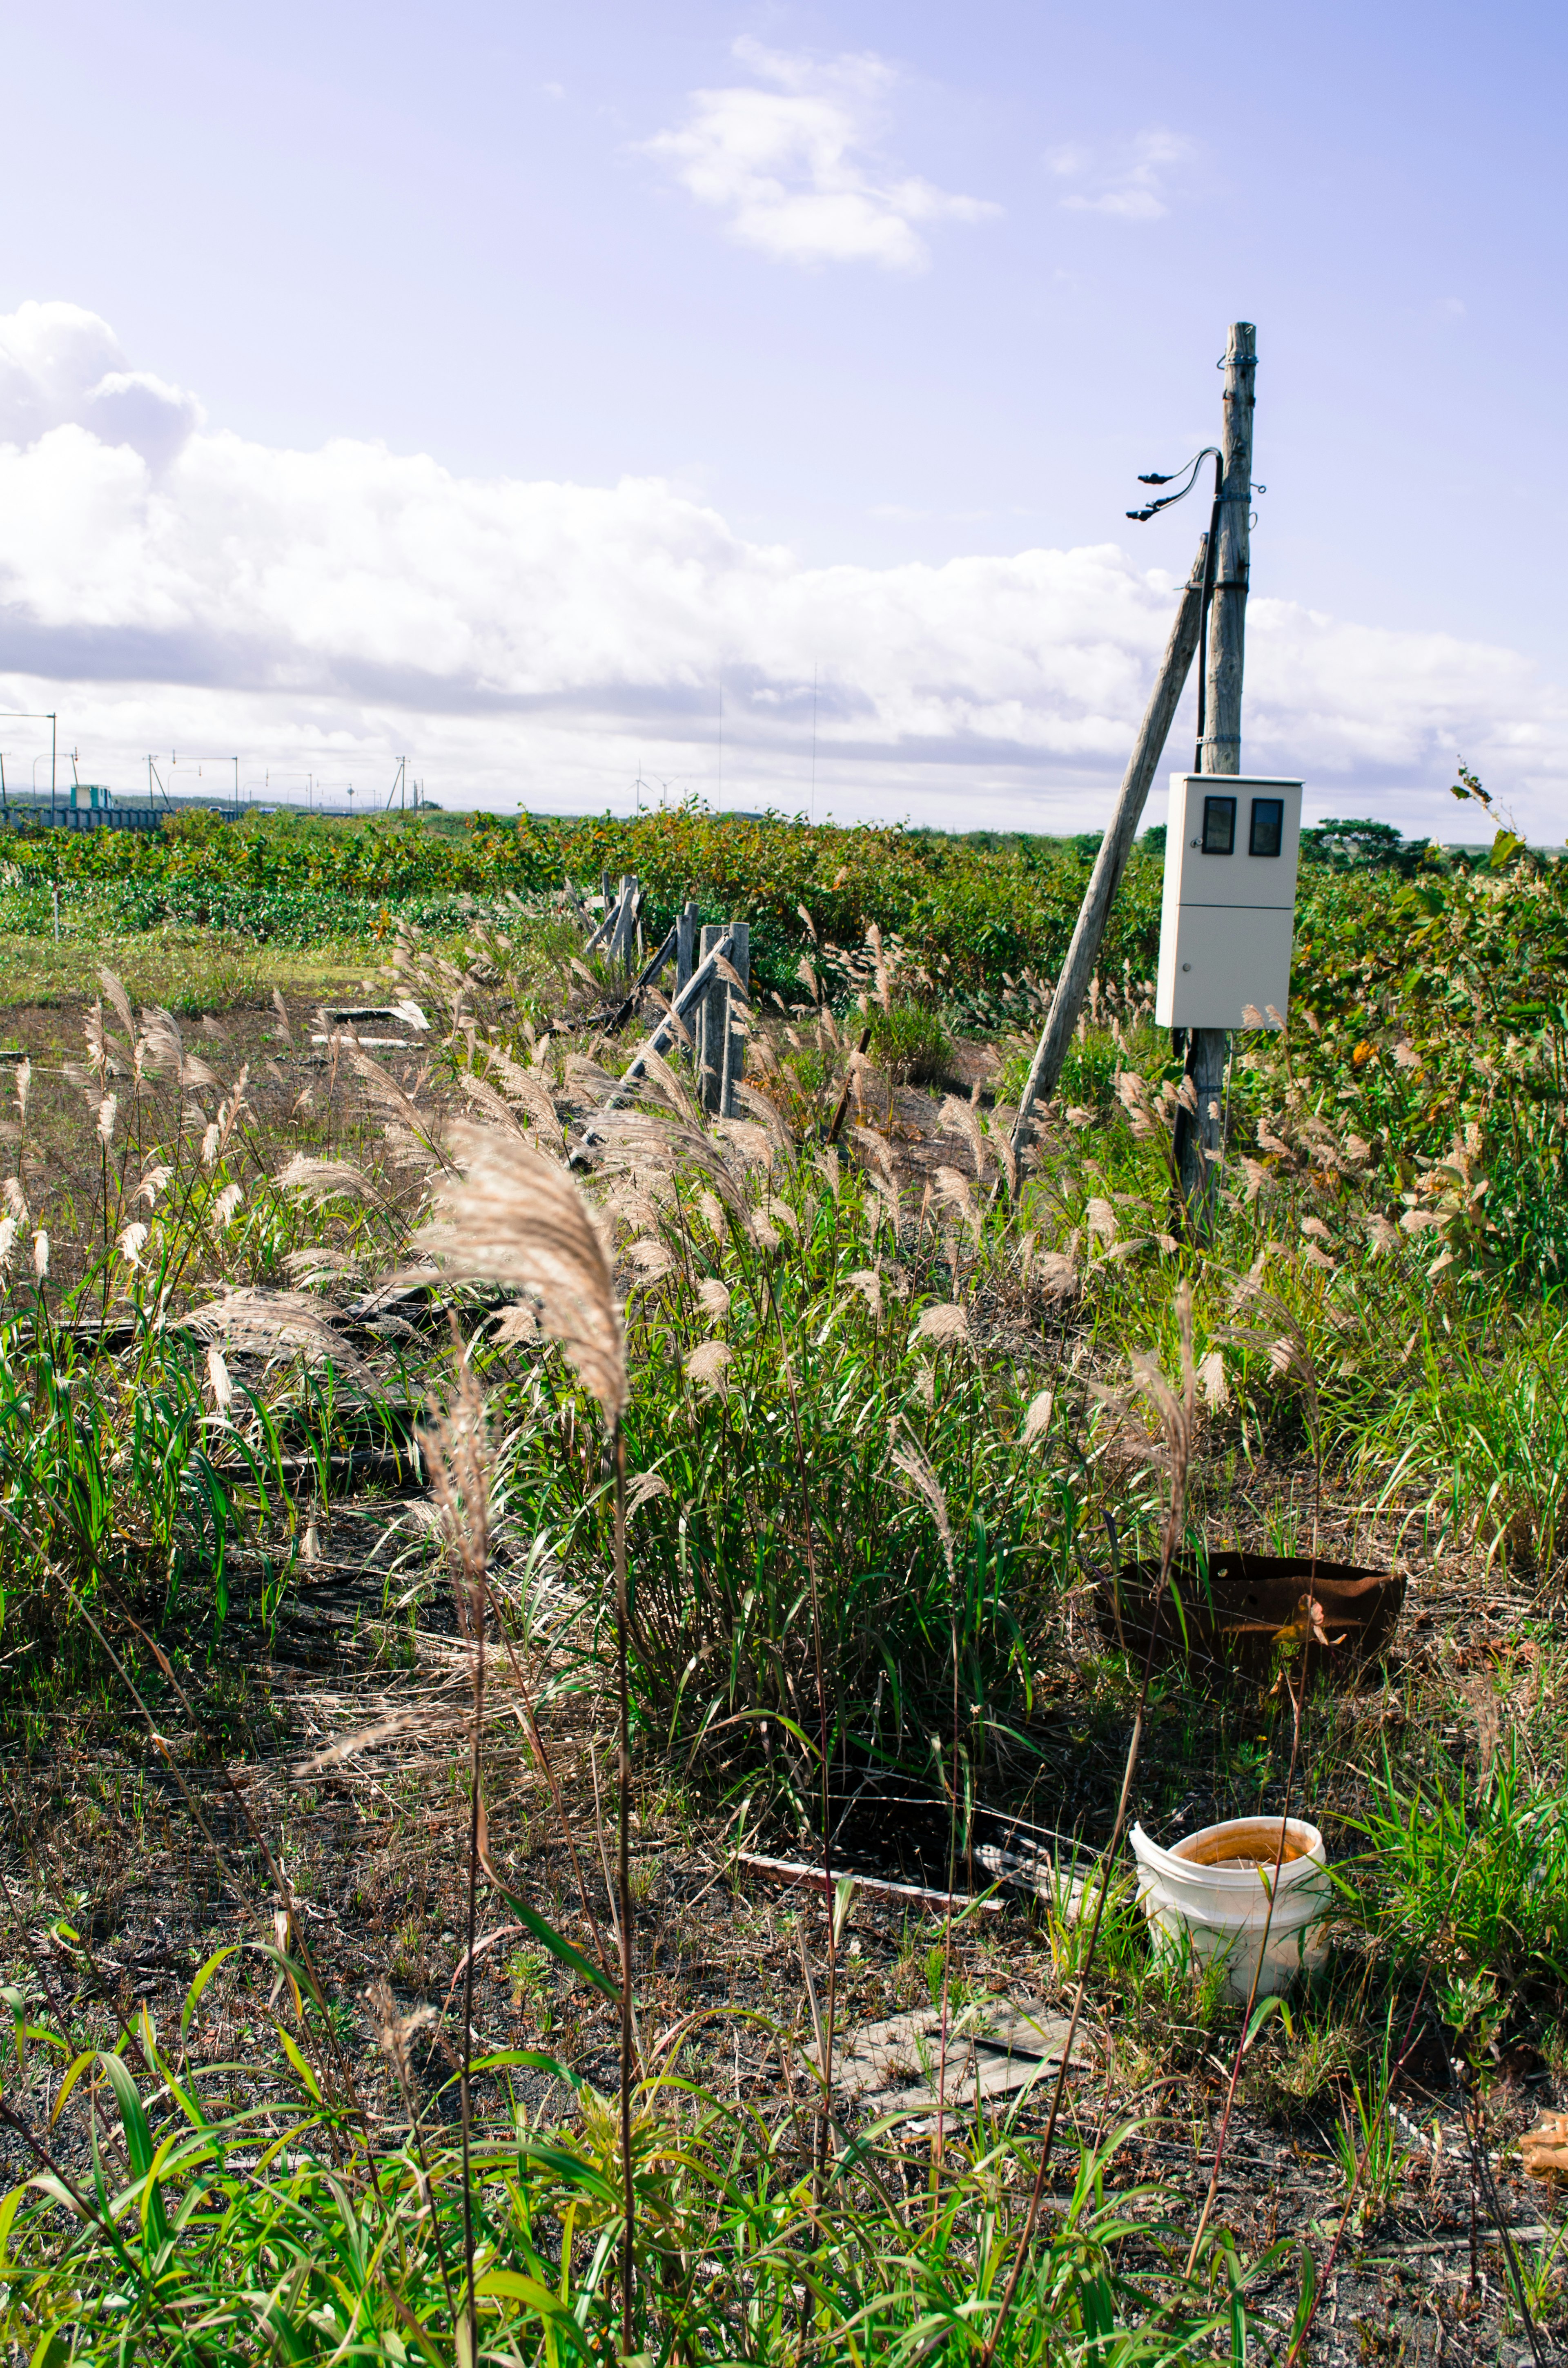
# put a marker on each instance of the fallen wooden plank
(995, 2047)
(353, 1015)
(995, 2075)
(1025, 1868)
(799, 1876)
(375, 1044)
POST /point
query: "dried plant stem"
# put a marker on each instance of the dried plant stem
(542, 1752)
(475, 1775)
(623, 1880)
(947, 1918)
(825, 2125)
(917, 1471)
(1178, 1416)
(278, 1879)
(1037, 2196)
(1304, 2331)
(1480, 2174)
(1244, 2033)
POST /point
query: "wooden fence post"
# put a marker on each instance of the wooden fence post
(686, 944)
(625, 921)
(738, 1014)
(712, 1028)
(1199, 1134)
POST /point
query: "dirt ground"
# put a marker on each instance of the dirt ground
(99, 1838)
(138, 1845)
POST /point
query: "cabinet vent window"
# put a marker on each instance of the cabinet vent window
(1268, 826)
(1220, 825)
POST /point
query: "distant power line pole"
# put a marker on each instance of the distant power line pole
(813, 741)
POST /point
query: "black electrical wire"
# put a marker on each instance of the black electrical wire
(1166, 500)
(1190, 469)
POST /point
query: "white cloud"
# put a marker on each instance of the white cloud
(60, 365)
(540, 641)
(792, 162)
(1129, 182)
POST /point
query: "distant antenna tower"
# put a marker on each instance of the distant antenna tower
(813, 741)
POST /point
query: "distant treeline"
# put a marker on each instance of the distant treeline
(969, 908)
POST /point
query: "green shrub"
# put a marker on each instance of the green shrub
(911, 1044)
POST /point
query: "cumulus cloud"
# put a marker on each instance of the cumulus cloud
(544, 641)
(1129, 182)
(793, 161)
(62, 366)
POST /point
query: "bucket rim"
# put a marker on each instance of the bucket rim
(1196, 1874)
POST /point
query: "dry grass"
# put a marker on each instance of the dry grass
(393, 1780)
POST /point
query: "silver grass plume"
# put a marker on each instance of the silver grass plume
(163, 1047)
(116, 993)
(320, 1180)
(962, 1118)
(273, 1323)
(517, 1218)
(416, 1134)
(647, 1138)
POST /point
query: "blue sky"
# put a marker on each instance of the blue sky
(496, 383)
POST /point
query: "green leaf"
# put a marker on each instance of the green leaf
(1308, 2295)
(133, 2114)
(516, 2287)
(532, 2060)
(70, 2083)
(513, 2285)
(193, 1995)
(1238, 2310)
(290, 2342)
(138, 2146)
(1260, 2014)
(9, 2210)
(299, 2063)
(557, 1944)
(17, 2004)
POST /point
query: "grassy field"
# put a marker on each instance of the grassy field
(333, 1403)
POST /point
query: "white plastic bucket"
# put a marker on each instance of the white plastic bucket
(1207, 1900)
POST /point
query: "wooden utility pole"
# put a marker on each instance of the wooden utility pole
(1197, 1143)
(721, 1051)
(1114, 849)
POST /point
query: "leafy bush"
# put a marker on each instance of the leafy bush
(966, 912)
(911, 1044)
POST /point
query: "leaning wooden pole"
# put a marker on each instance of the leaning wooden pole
(1111, 861)
(1199, 1130)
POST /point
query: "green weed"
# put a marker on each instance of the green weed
(1470, 1873)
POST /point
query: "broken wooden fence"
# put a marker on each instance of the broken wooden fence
(711, 1000)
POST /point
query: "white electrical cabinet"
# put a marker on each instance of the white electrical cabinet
(1232, 848)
